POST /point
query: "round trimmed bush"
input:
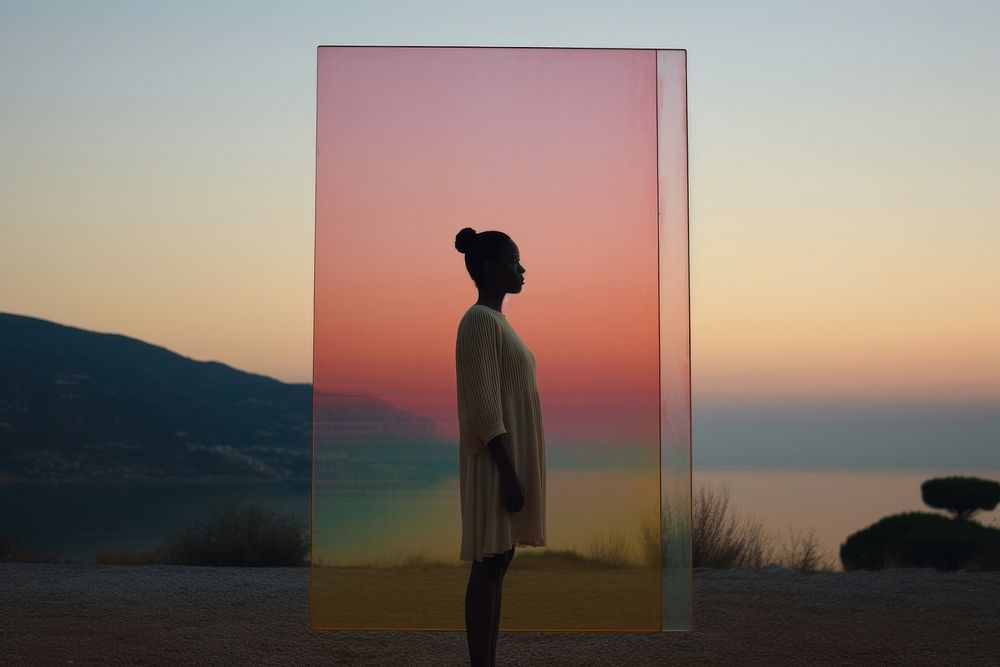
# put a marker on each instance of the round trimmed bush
(920, 539)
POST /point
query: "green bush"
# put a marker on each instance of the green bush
(921, 539)
(240, 535)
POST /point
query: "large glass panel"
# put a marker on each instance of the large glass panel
(559, 148)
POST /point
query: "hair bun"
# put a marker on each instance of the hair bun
(465, 239)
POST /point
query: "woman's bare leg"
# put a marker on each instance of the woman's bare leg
(497, 605)
(480, 605)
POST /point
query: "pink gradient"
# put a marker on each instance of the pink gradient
(555, 147)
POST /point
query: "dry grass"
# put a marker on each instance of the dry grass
(803, 554)
(602, 555)
(722, 540)
(611, 551)
(716, 537)
(397, 560)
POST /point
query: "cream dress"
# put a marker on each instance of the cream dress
(495, 373)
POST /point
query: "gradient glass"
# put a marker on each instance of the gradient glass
(580, 155)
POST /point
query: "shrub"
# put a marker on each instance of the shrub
(803, 555)
(717, 538)
(241, 535)
(721, 541)
(649, 541)
(920, 539)
(612, 551)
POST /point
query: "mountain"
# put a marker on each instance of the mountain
(78, 405)
(82, 405)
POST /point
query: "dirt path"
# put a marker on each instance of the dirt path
(158, 614)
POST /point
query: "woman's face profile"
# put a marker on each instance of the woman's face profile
(507, 276)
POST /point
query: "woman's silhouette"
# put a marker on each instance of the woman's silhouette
(502, 493)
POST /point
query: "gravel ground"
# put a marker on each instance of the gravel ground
(159, 614)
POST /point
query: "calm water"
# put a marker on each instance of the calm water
(76, 520)
(836, 502)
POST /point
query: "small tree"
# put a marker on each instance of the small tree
(962, 496)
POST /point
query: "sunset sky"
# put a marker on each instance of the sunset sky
(159, 162)
(557, 147)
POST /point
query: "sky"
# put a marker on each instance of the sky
(158, 175)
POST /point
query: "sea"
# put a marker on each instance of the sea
(76, 521)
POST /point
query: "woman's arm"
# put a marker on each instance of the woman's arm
(498, 448)
(510, 486)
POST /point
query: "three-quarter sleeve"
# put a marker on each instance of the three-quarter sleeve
(477, 364)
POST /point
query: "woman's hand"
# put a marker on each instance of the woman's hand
(513, 492)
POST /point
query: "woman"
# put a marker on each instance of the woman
(502, 446)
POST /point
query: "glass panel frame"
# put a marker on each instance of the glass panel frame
(399, 130)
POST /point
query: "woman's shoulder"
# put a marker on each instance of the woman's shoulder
(481, 318)
(479, 313)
